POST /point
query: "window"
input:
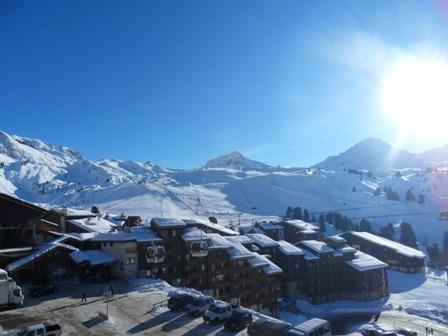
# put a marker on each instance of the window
(220, 277)
(174, 233)
(130, 260)
(111, 244)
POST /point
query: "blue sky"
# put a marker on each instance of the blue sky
(180, 82)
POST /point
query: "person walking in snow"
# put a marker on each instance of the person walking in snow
(84, 297)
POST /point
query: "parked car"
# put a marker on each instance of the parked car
(218, 311)
(239, 319)
(268, 327)
(406, 331)
(200, 305)
(178, 302)
(45, 289)
(39, 329)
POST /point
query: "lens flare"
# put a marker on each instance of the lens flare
(415, 95)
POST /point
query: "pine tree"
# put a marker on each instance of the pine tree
(365, 226)
(387, 231)
(407, 235)
(377, 192)
(288, 212)
(410, 197)
(297, 213)
(306, 215)
(445, 247)
(421, 199)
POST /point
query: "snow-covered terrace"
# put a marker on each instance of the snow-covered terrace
(289, 249)
(364, 262)
(397, 247)
(262, 240)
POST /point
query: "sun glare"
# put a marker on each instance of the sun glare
(415, 96)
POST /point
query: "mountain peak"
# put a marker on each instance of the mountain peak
(236, 160)
(370, 154)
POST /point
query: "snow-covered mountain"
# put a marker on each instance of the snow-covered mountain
(373, 153)
(236, 160)
(232, 188)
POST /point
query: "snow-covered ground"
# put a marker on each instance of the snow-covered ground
(138, 307)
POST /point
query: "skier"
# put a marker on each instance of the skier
(84, 297)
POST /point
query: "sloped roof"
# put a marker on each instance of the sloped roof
(262, 240)
(289, 249)
(365, 262)
(397, 247)
(165, 223)
(93, 257)
(38, 252)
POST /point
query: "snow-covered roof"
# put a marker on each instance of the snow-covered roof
(271, 226)
(307, 231)
(74, 212)
(365, 262)
(337, 239)
(147, 236)
(217, 227)
(346, 249)
(262, 240)
(397, 247)
(243, 239)
(93, 257)
(309, 256)
(289, 249)
(269, 267)
(218, 242)
(317, 246)
(301, 225)
(238, 251)
(167, 223)
(38, 252)
(80, 236)
(194, 234)
(258, 260)
(93, 224)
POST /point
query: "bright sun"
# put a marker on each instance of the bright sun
(415, 95)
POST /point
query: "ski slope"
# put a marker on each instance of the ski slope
(234, 189)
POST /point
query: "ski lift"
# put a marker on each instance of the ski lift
(199, 248)
(155, 253)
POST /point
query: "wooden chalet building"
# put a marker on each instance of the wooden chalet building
(399, 257)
